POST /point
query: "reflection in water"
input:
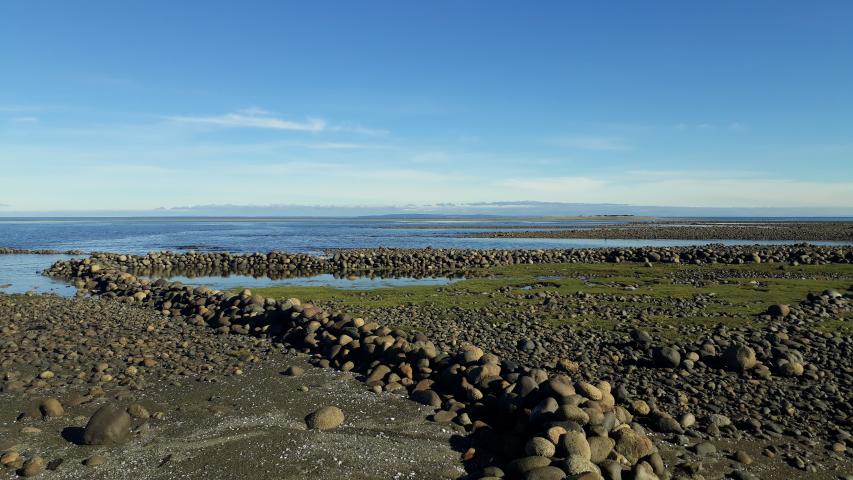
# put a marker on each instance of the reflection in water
(22, 273)
(351, 282)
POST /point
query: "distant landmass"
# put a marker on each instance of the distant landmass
(444, 210)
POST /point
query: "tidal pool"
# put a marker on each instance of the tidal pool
(22, 273)
(322, 280)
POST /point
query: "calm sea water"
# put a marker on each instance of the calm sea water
(242, 235)
(310, 235)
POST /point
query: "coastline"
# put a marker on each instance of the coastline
(539, 368)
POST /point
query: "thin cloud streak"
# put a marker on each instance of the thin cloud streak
(27, 119)
(254, 119)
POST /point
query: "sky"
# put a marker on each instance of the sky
(134, 106)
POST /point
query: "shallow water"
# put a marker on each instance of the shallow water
(21, 274)
(322, 280)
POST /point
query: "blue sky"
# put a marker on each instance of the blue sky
(120, 105)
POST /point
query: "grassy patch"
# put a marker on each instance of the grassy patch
(748, 291)
(842, 325)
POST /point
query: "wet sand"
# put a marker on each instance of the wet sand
(249, 426)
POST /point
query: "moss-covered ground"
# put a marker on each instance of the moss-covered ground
(732, 294)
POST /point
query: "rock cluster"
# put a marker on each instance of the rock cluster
(432, 262)
(512, 409)
(50, 345)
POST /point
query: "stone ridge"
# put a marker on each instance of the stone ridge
(435, 262)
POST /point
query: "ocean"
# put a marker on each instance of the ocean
(20, 273)
(308, 235)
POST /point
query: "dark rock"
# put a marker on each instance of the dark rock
(109, 425)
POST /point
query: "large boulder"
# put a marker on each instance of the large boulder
(790, 368)
(740, 357)
(641, 338)
(633, 445)
(545, 473)
(600, 448)
(33, 467)
(665, 423)
(577, 464)
(575, 443)
(644, 471)
(51, 407)
(539, 446)
(427, 397)
(325, 418)
(109, 425)
(667, 357)
(520, 466)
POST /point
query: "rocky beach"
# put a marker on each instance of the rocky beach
(441, 240)
(198, 404)
(678, 362)
(688, 229)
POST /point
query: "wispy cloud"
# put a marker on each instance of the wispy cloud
(590, 142)
(254, 111)
(254, 118)
(26, 119)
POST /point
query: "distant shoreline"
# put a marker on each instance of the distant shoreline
(694, 230)
(432, 218)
